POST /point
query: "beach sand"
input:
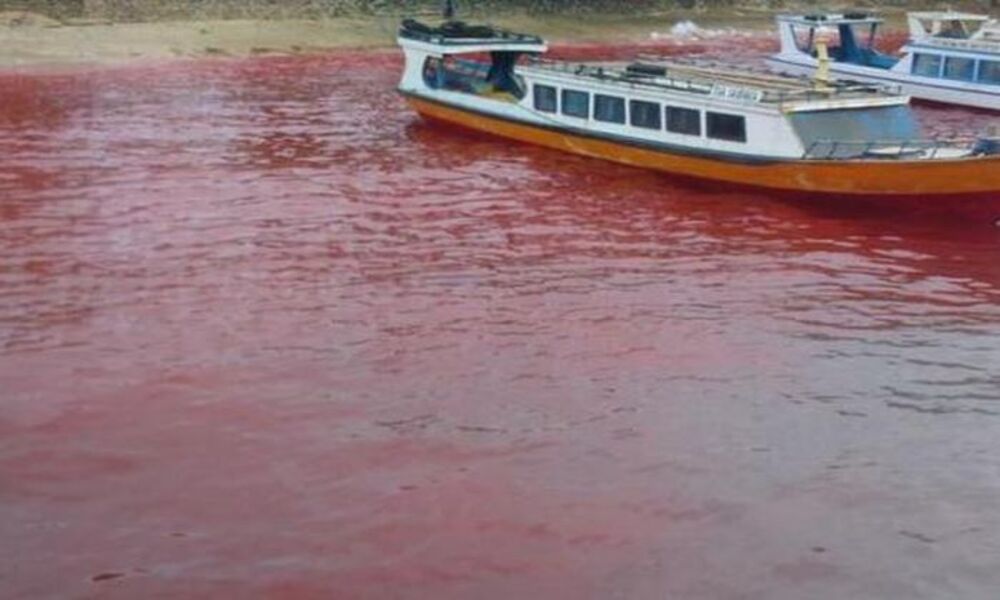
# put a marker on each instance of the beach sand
(33, 41)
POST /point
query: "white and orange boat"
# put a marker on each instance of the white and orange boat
(817, 136)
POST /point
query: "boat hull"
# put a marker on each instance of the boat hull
(972, 181)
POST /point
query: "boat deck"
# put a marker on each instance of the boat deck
(713, 79)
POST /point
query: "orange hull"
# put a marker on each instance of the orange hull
(973, 177)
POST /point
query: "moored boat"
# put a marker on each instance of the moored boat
(778, 133)
(950, 57)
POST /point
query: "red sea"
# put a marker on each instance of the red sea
(266, 334)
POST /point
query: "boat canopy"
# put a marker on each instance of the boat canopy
(946, 24)
(438, 50)
(855, 33)
(831, 19)
(456, 37)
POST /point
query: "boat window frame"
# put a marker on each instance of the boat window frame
(563, 103)
(667, 111)
(542, 87)
(714, 133)
(655, 109)
(996, 72)
(619, 100)
(930, 55)
(971, 68)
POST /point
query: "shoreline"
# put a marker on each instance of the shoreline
(42, 44)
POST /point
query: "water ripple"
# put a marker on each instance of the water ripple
(279, 249)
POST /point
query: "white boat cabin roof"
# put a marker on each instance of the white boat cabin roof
(456, 37)
(948, 16)
(953, 26)
(830, 19)
(743, 87)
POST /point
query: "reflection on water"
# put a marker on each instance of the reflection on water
(262, 330)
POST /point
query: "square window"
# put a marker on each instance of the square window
(989, 71)
(545, 98)
(683, 120)
(610, 109)
(926, 65)
(960, 68)
(644, 114)
(576, 103)
(732, 128)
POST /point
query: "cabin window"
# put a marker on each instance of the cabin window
(433, 72)
(458, 75)
(610, 109)
(989, 71)
(956, 67)
(732, 128)
(576, 103)
(545, 98)
(474, 75)
(926, 65)
(683, 120)
(644, 114)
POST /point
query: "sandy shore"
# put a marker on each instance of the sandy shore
(27, 42)
(113, 43)
(31, 41)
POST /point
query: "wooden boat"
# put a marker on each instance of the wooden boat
(816, 137)
(950, 57)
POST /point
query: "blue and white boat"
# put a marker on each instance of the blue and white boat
(951, 57)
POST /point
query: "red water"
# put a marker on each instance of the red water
(263, 333)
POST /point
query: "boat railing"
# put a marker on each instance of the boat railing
(811, 94)
(987, 45)
(613, 73)
(717, 79)
(786, 88)
(824, 149)
(747, 88)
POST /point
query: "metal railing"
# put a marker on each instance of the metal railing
(794, 87)
(826, 149)
(745, 87)
(839, 91)
(620, 75)
(982, 45)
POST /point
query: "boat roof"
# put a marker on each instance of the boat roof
(457, 37)
(821, 19)
(719, 81)
(948, 16)
(951, 29)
